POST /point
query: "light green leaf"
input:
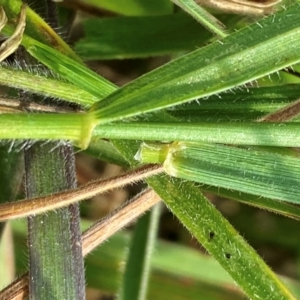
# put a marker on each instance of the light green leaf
(237, 133)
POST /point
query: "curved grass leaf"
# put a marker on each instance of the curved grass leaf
(74, 72)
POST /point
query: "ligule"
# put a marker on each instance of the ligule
(150, 152)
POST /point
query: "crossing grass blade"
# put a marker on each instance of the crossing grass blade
(213, 231)
(222, 65)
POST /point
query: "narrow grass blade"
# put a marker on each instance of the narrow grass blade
(260, 173)
(212, 69)
(137, 271)
(44, 44)
(68, 68)
(202, 16)
(248, 104)
(34, 82)
(219, 238)
(278, 207)
(78, 128)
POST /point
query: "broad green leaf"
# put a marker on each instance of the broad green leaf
(130, 37)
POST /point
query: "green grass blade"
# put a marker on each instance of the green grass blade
(137, 271)
(212, 69)
(243, 105)
(255, 172)
(32, 81)
(76, 127)
(278, 207)
(130, 37)
(69, 69)
(220, 239)
(43, 126)
(202, 16)
(213, 231)
(45, 45)
(55, 255)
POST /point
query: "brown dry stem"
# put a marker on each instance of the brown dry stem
(24, 208)
(94, 236)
